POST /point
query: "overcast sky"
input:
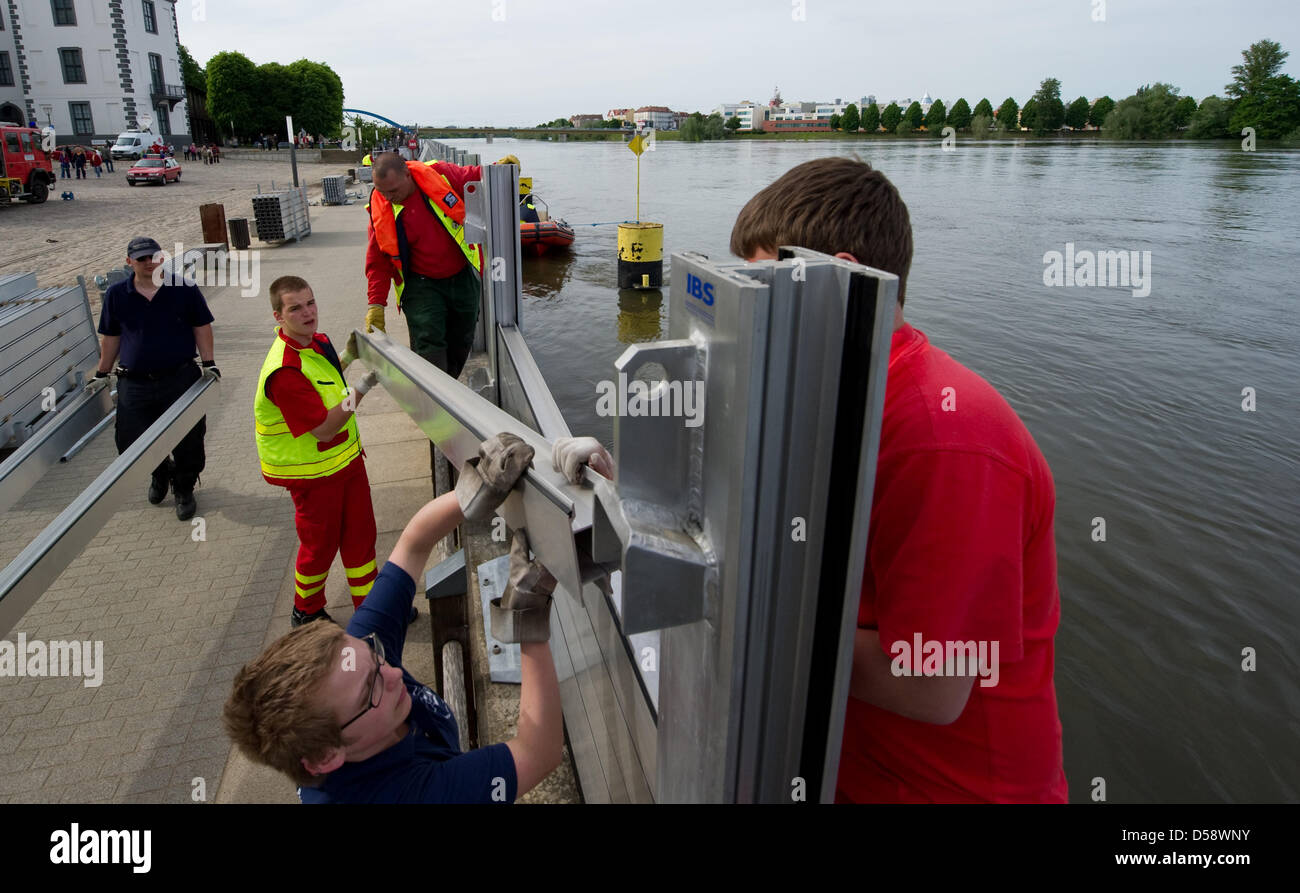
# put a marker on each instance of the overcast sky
(521, 62)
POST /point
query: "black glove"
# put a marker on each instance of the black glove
(210, 370)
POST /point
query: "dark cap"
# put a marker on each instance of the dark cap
(142, 247)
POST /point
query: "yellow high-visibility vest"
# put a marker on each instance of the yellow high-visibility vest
(286, 458)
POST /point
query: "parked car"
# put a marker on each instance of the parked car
(154, 169)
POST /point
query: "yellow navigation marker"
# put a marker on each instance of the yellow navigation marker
(637, 145)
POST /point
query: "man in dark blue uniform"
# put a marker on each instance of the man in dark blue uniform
(155, 330)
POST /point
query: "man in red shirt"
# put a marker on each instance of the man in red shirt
(308, 442)
(961, 546)
(417, 244)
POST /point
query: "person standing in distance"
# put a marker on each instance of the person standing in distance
(154, 330)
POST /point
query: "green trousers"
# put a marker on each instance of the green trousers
(441, 315)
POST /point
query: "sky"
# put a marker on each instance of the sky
(522, 62)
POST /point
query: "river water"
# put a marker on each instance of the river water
(1135, 400)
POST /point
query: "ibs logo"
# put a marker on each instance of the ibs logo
(699, 289)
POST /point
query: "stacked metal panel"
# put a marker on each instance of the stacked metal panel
(48, 347)
(334, 191)
(281, 215)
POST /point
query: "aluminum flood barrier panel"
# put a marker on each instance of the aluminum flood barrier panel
(27, 577)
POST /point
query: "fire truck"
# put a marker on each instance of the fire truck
(26, 169)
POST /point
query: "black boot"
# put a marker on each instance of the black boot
(159, 482)
(186, 505)
(300, 617)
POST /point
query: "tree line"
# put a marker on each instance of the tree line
(1259, 96)
(247, 100)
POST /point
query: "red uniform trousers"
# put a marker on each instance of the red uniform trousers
(334, 514)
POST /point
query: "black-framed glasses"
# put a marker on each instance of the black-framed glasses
(377, 683)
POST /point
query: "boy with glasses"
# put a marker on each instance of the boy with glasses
(336, 712)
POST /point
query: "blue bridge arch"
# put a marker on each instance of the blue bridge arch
(379, 117)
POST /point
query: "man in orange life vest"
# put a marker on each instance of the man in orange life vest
(308, 443)
(417, 242)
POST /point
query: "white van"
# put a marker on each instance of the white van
(133, 144)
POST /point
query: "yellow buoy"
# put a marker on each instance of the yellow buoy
(640, 255)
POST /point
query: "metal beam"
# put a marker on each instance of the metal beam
(458, 420)
(28, 464)
(28, 576)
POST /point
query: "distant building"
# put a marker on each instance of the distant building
(91, 69)
(750, 114)
(658, 117)
(619, 115)
(586, 120)
(808, 125)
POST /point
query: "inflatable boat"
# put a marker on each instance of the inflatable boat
(546, 235)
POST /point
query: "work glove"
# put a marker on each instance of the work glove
(523, 613)
(368, 381)
(509, 159)
(98, 381)
(350, 352)
(486, 480)
(375, 318)
(569, 454)
(211, 371)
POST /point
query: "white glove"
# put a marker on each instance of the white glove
(98, 381)
(569, 454)
(368, 381)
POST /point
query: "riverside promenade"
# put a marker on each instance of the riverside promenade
(177, 614)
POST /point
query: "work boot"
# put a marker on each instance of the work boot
(300, 617)
(415, 612)
(186, 505)
(158, 484)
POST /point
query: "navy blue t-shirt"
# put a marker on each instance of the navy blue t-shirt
(427, 766)
(156, 334)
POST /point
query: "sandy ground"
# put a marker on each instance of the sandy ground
(88, 236)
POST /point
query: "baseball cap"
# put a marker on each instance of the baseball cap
(142, 247)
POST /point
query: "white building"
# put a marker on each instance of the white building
(658, 117)
(91, 68)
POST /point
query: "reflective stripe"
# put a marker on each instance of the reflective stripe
(362, 570)
(363, 589)
(272, 430)
(308, 580)
(304, 593)
(304, 470)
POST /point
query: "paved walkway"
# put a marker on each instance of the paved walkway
(177, 617)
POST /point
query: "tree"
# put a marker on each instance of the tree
(1007, 114)
(960, 116)
(1029, 114)
(835, 121)
(1076, 116)
(985, 108)
(980, 124)
(714, 128)
(692, 130)
(1261, 61)
(1100, 109)
(733, 123)
(890, 117)
(914, 116)
(871, 118)
(904, 127)
(936, 117)
(1147, 114)
(232, 84)
(1049, 112)
(852, 119)
(191, 74)
(317, 97)
(1183, 111)
(1210, 120)
(1273, 109)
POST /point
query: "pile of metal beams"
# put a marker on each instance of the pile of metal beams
(334, 191)
(281, 216)
(47, 349)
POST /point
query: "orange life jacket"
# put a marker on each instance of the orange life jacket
(447, 206)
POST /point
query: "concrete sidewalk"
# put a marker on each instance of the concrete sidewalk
(179, 617)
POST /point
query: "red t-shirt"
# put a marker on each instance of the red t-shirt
(961, 548)
(300, 403)
(433, 252)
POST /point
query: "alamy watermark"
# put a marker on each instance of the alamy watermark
(56, 658)
(1104, 269)
(210, 269)
(638, 398)
(930, 657)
